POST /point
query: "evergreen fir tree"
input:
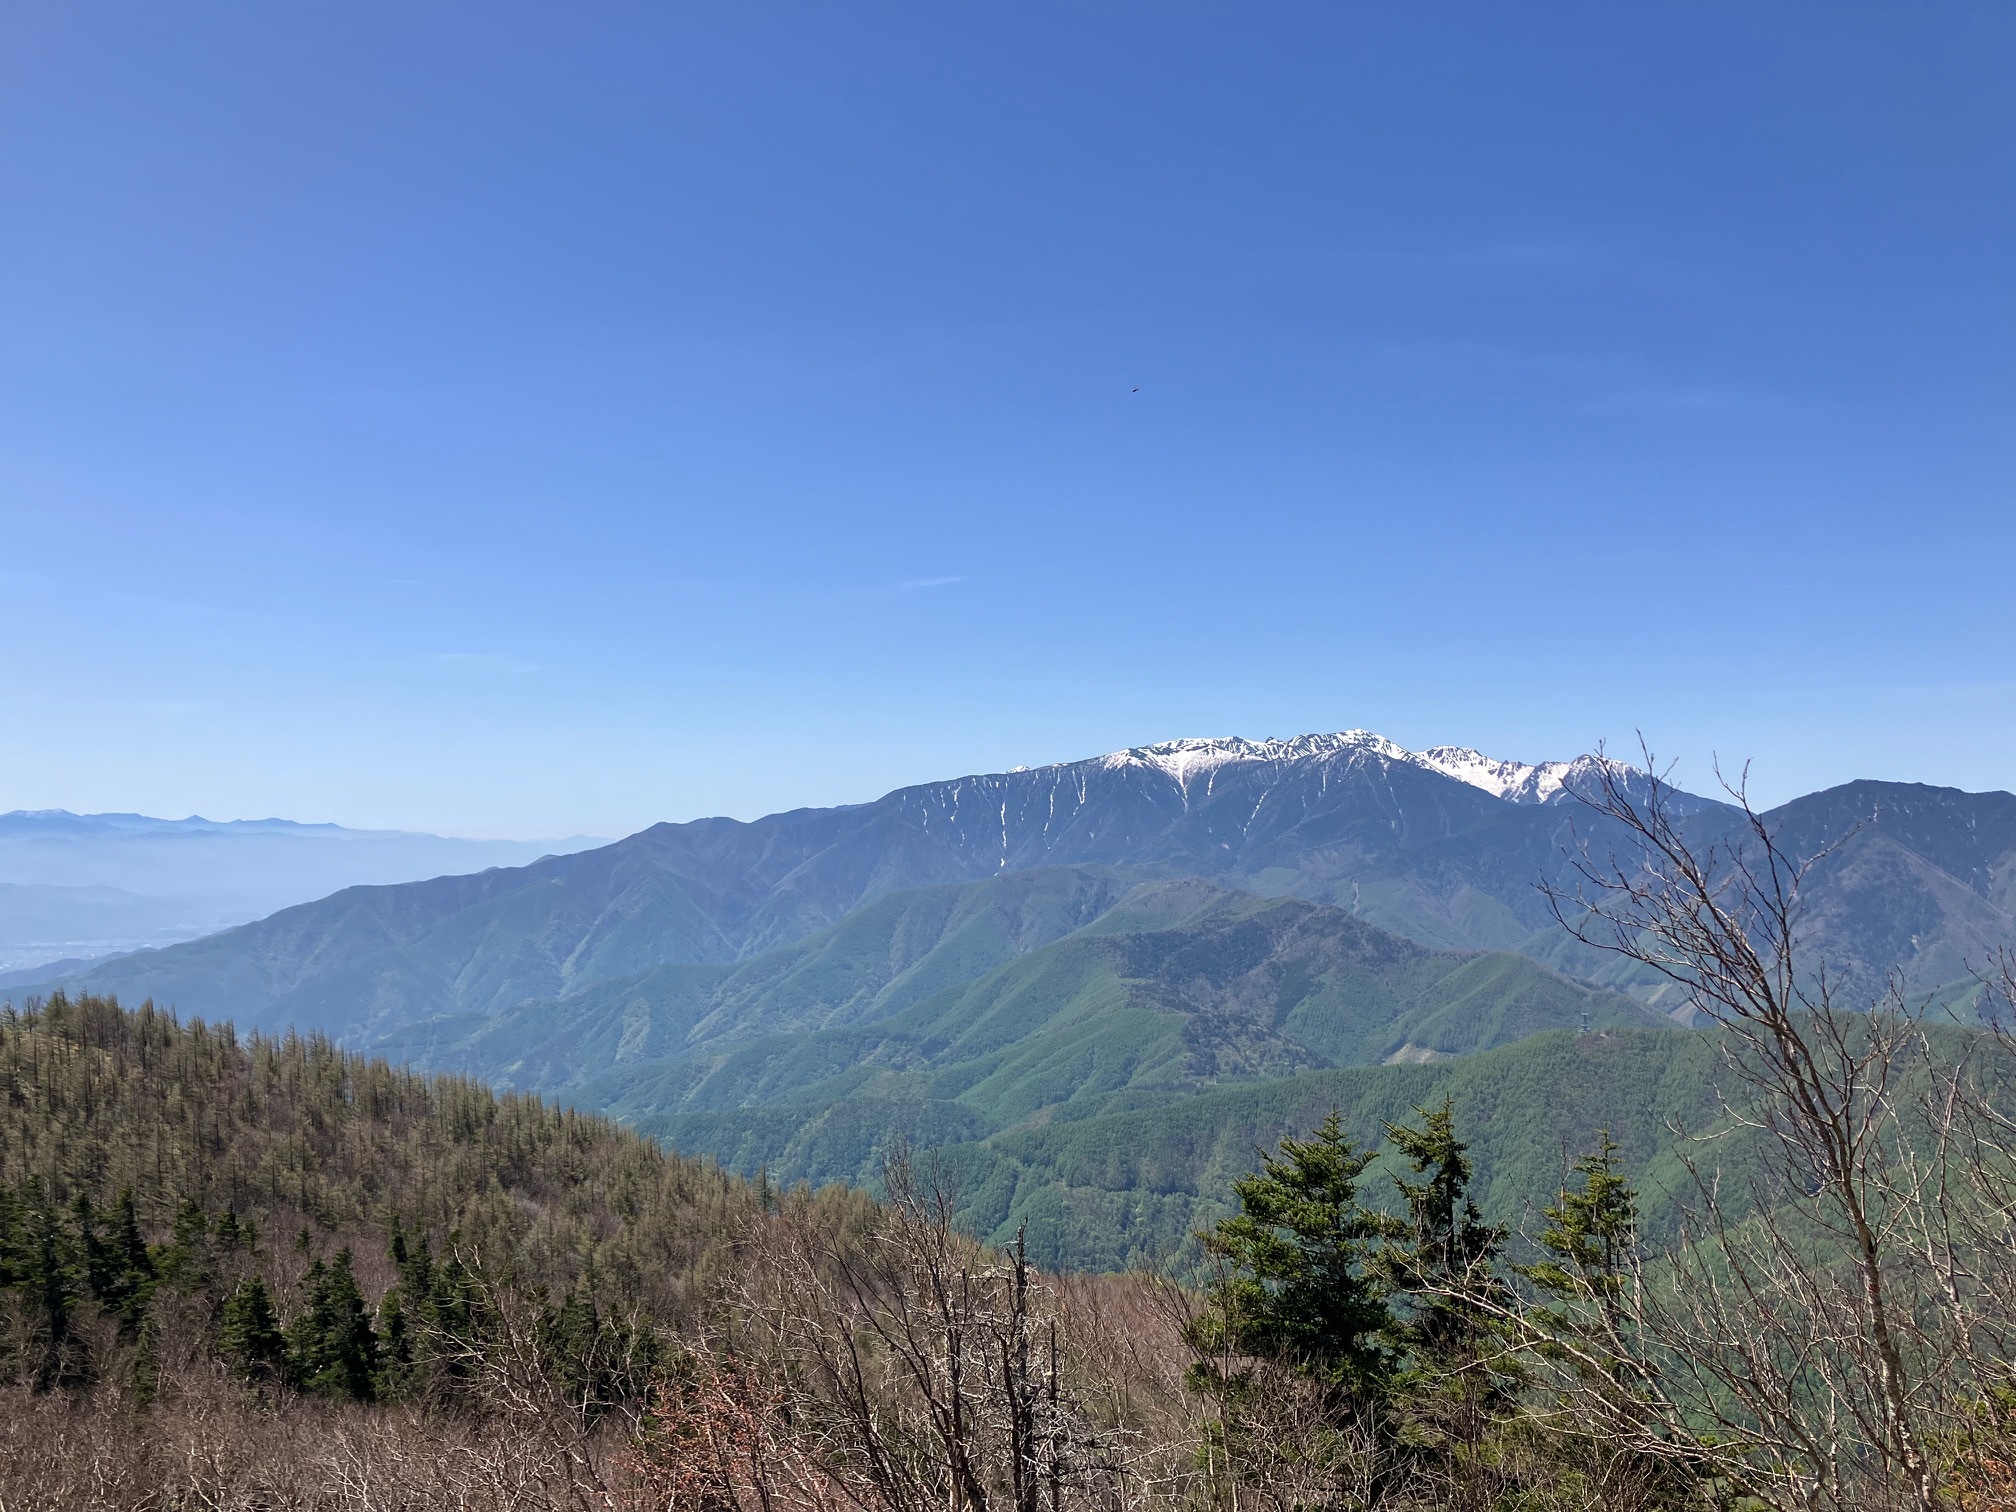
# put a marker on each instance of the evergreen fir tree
(332, 1349)
(1440, 1249)
(233, 1233)
(1299, 1291)
(93, 1254)
(13, 1239)
(1591, 1242)
(1451, 1392)
(1591, 1238)
(249, 1335)
(192, 1225)
(185, 1260)
(49, 1282)
(128, 1269)
(586, 1353)
(396, 1366)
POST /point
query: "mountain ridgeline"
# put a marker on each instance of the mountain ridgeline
(998, 966)
(1350, 820)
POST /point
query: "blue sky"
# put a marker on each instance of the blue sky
(528, 419)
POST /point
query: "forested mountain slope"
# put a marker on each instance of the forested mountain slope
(1912, 879)
(887, 955)
(1248, 986)
(318, 1149)
(811, 1059)
(1129, 1185)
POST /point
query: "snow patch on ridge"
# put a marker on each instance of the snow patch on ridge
(1185, 761)
(1514, 781)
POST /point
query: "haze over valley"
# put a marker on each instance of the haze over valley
(78, 886)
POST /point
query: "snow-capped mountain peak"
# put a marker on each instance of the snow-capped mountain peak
(1185, 761)
(1514, 781)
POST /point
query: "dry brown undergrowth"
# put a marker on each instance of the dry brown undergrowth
(215, 1450)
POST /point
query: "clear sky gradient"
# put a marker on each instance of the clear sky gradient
(523, 419)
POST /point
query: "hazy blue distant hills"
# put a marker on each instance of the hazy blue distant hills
(88, 884)
(38, 911)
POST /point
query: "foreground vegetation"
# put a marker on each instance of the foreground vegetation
(268, 1274)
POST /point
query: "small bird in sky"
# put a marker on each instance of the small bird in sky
(1137, 389)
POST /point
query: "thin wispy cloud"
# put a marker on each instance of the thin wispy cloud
(906, 585)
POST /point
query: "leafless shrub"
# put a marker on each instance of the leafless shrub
(921, 1370)
(1835, 1333)
(209, 1446)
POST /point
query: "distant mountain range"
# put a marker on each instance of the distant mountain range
(1445, 847)
(975, 961)
(1351, 820)
(86, 885)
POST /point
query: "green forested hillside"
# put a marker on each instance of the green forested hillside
(953, 1014)
(277, 1159)
(1128, 1184)
(895, 952)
